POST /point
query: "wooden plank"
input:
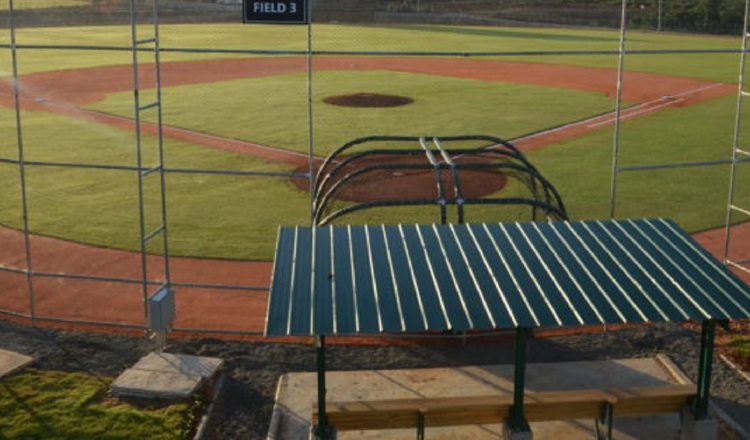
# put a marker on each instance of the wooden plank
(428, 403)
(409, 418)
(471, 410)
(404, 413)
(378, 420)
(652, 400)
(565, 405)
(485, 415)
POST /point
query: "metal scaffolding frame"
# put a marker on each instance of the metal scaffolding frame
(740, 155)
(159, 304)
(148, 231)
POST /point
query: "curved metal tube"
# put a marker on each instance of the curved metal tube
(502, 156)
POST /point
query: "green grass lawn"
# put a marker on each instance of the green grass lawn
(557, 46)
(694, 196)
(236, 216)
(39, 4)
(38, 404)
(740, 348)
(209, 215)
(273, 111)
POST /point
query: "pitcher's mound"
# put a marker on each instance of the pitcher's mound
(368, 100)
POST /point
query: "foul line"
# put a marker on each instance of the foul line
(648, 106)
(595, 122)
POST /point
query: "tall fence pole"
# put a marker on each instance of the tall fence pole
(22, 163)
(618, 110)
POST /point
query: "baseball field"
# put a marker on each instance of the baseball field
(247, 112)
(242, 113)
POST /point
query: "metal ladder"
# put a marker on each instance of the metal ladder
(144, 19)
(736, 211)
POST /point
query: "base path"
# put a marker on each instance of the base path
(109, 296)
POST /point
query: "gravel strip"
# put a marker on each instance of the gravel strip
(253, 369)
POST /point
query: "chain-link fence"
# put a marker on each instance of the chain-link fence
(145, 150)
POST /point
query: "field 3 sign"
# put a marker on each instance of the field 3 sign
(279, 12)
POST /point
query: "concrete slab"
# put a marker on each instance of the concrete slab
(10, 362)
(180, 363)
(165, 375)
(297, 393)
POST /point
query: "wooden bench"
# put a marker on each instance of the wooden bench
(420, 413)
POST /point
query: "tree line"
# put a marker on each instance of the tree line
(695, 16)
(699, 16)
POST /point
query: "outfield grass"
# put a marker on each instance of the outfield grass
(40, 404)
(585, 47)
(236, 217)
(42, 4)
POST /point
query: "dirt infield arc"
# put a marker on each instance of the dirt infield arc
(225, 310)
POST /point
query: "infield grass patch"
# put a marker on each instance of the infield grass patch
(237, 216)
(273, 111)
(217, 216)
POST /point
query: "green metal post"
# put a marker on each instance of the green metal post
(420, 426)
(700, 405)
(322, 428)
(606, 418)
(517, 419)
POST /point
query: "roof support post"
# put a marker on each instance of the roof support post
(518, 421)
(700, 404)
(321, 430)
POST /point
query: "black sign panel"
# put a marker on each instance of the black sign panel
(285, 11)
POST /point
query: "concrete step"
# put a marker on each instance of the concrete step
(10, 362)
(165, 376)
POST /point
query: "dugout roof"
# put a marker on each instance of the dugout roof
(346, 280)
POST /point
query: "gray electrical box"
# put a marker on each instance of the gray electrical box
(161, 310)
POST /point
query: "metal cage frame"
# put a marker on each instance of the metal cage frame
(503, 157)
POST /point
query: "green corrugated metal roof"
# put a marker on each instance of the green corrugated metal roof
(344, 280)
